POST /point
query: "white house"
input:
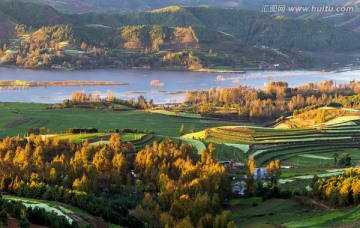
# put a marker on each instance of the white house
(260, 173)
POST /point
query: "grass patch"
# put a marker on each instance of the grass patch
(228, 153)
(178, 114)
(246, 201)
(131, 137)
(315, 156)
(196, 143)
(74, 52)
(275, 212)
(244, 147)
(79, 138)
(11, 52)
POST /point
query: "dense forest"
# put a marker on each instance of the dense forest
(166, 184)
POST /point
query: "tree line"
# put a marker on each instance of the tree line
(273, 101)
(339, 191)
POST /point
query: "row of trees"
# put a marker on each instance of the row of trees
(272, 101)
(80, 97)
(183, 58)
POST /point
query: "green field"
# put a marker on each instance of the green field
(99, 137)
(196, 143)
(79, 138)
(178, 114)
(288, 213)
(246, 201)
(227, 153)
(17, 118)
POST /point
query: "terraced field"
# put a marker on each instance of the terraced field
(299, 147)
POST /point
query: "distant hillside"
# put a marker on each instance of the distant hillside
(140, 5)
(349, 21)
(34, 15)
(231, 39)
(7, 28)
(149, 46)
(249, 26)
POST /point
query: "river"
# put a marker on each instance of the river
(171, 84)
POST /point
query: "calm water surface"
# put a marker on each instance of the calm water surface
(174, 83)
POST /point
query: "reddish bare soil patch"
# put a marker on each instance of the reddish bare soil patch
(239, 208)
(12, 223)
(99, 223)
(100, 138)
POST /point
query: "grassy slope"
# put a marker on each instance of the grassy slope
(59, 120)
(287, 213)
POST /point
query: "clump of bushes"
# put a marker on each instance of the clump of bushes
(80, 130)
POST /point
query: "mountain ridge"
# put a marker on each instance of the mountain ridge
(346, 21)
(247, 35)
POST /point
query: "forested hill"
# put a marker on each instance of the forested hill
(348, 21)
(249, 26)
(34, 35)
(140, 5)
(35, 15)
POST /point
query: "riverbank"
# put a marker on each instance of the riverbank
(16, 83)
(175, 69)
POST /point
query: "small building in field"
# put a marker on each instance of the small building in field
(232, 164)
(260, 173)
(239, 189)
